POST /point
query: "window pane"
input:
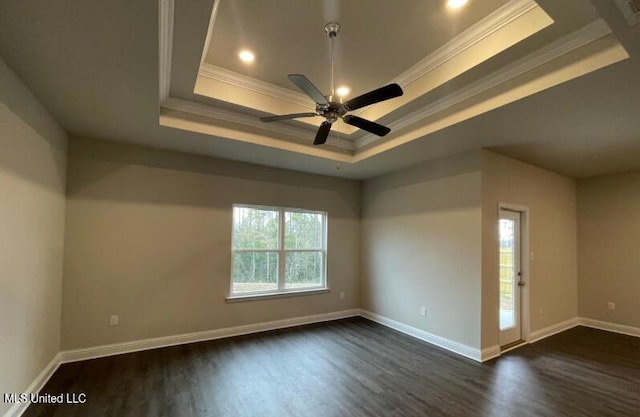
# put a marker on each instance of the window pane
(303, 269)
(303, 230)
(508, 274)
(255, 271)
(255, 228)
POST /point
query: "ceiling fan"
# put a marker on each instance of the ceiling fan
(332, 110)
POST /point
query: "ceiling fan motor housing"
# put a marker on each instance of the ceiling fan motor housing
(331, 111)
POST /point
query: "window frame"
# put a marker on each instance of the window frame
(281, 252)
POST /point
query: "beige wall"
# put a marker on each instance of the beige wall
(32, 181)
(421, 234)
(148, 237)
(609, 248)
(551, 200)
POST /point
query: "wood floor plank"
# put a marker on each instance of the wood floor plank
(355, 367)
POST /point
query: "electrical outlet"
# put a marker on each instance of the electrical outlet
(541, 310)
(114, 320)
(342, 295)
(423, 311)
(611, 305)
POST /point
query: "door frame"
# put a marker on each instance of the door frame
(525, 257)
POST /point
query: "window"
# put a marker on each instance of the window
(277, 250)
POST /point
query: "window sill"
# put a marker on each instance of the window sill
(255, 297)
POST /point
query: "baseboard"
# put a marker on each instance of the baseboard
(583, 321)
(38, 383)
(610, 327)
(439, 341)
(146, 344)
(553, 329)
(486, 354)
(492, 352)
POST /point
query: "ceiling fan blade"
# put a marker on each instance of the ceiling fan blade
(323, 133)
(368, 125)
(308, 88)
(375, 96)
(286, 117)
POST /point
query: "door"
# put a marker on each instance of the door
(511, 280)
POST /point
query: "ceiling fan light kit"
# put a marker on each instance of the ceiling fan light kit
(333, 110)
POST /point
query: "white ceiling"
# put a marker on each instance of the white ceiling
(377, 41)
(94, 65)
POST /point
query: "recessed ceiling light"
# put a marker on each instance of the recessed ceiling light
(342, 91)
(456, 4)
(246, 56)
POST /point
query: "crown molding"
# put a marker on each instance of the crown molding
(212, 21)
(471, 37)
(194, 108)
(199, 124)
(481, 30)
(165, 45)
(246, 83)
(575, 40)
(235, 79)
(592, 57)
(511, 24)
(252, 84)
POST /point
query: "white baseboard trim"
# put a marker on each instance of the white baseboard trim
(553, 329)
(486, 354)
(38, 383)
(610, 327)
(455, 347)
(146, 344)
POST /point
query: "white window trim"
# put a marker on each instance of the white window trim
(281, 251)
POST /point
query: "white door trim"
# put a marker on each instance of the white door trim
(512, 333)
(525, 219)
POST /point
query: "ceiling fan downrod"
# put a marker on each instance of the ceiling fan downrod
(332, 29)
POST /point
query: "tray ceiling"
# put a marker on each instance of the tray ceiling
(423, 46)
(552, 99)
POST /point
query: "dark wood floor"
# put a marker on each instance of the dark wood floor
(355, 367)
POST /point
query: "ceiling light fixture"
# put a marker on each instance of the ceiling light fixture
(333, 110)
(246, 56)
(342, 91)
(456, 4)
